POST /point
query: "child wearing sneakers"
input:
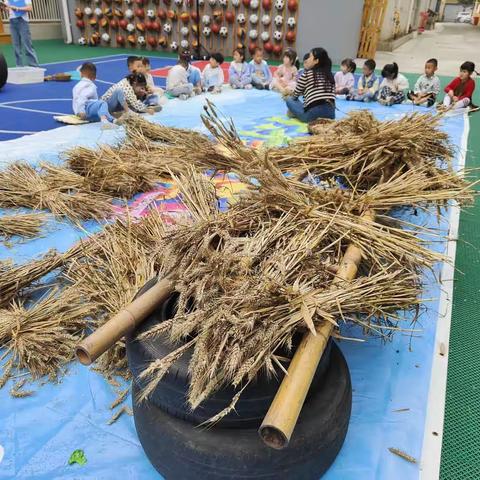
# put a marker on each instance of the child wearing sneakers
(427, 86)
(177, 79)
(212, 75)
(393, 86)
(86, 104)
(239, 71)
(367, 86)
(459, 91)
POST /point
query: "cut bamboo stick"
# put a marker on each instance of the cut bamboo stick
(279, 423)
(123, 322)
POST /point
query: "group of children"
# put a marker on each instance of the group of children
(393, 87)
(137, 91)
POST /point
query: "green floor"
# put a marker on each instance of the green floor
(461, 440)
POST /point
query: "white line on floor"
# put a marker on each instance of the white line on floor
(20, 132)
(88, 59)
(31, 110)
(13, 102)
(433, 433)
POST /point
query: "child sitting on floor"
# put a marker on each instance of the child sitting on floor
(239, 71)
(194, 75)
(427, 86)
(212, 75)
(128, 94)
(261, 74)
(393, 85)
(152, 89)
(367, 86)
(177, 78)
(86, 104)
(285, 78)
(344, 79)
(139, 65)
(460, 90)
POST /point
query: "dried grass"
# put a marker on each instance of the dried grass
(26, 225)
(41, 338)
(51, 188)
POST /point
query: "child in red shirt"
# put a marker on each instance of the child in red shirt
(459, 91)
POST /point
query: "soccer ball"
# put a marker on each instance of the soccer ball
(128, 2)
(129, 13)
(241, 19)
(253, 19)
(254, 4)
(174, 46)
(212, 3)
(277, 35)
(184, 43)
(167, 28)
(141, 40)
(235, 3)
(106, 37)
(82, 41)
(291, 22)
(131, 27)
(151, 14)
(278, 20)
(207, 31)
(253, 34)
(88, 12)
(224, 32)
(223, 3)
(279, 4)
(201, 2)
(206, 20)
(184, 31)
(265, 36)
(266, 20)
(178, 2)
(98, 12)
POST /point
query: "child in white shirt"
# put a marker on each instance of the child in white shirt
(86, 104)
(212, 75)
(344, 79)
(393, 86)
(177, 79)
(427, 86)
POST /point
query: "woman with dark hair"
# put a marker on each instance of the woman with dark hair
(317, 86)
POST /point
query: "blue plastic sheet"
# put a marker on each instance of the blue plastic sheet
(39, 433)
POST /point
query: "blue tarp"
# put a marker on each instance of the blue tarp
(39, 433)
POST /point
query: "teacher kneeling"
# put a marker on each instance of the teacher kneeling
(317, 86)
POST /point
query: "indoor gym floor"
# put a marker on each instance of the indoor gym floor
(461, 452)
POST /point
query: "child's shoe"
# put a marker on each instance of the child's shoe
(184, 96)
(248, 87)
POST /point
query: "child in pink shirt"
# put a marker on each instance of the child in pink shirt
(285, 78)
(344, 79)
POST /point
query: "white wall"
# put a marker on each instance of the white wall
(331, 24)
(42, 31)
(409, 16)
(451, 12)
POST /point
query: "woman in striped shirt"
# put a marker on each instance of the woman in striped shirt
(317, 86)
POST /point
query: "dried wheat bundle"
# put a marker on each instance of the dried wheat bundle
(27, 225)
(60, 192)
(136, 126)
(110, 270)
(15, 278)
(41, 338)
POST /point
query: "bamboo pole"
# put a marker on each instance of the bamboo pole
(123, 322)
(279, 423)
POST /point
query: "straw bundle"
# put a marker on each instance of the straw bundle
(27, 225)
(110, 270)
(41, 338)
(14, 278)
(137, 126)
(55, 189)
(261, 272)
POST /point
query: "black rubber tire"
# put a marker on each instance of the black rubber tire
(3, 71)
(171, 393)
(179, 451)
